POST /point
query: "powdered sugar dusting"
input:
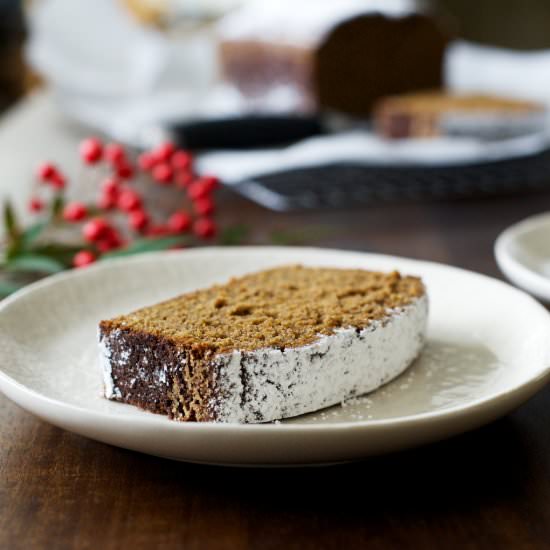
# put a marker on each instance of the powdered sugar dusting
(276, 384)
(106, 359)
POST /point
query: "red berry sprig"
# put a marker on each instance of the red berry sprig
(120, 212)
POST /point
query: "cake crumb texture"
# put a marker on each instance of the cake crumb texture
(287, 306)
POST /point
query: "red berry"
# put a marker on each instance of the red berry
(95, 229)
(183, 179)
(109, 241)
(74, 212)
(197, 190)
(57, 181)
(164, 151)
(83, 258)
(204, 228)
(46, 171)
(158, 231)
(128, 200)
(104, 245)
(163, 173)
(106, 201)
(146, 161)
(113, 236)
(35, 204)
(204, 206)
(181, 160)
(138, 220)
(209, 182)
(110, 186)
(114, 153)
(91, 150)
(179, 222)
(124, 170)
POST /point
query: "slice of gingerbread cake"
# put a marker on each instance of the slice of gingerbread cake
(266, 346)
(438, 113)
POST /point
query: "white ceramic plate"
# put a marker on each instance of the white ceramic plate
(523, 254)
(488, 351)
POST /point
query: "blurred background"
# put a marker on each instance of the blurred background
(275, 97)
(519, 24)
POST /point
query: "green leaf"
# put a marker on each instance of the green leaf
(234, 235)
(57, 206)
(146, 245)
(8, 287)
(10, 221)
(63, 253)
(32, 233)
(34, 262)
(12, 230)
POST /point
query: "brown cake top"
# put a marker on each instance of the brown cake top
(441, 102)
(282, 307)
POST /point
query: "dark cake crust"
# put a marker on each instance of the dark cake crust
(159, 375)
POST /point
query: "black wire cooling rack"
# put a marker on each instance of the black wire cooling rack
(344, 185)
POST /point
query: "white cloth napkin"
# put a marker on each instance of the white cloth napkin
(361, 147)
(474, 68)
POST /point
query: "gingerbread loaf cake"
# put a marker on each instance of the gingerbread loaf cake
(266, 346)
(439, 113)
(336, 56)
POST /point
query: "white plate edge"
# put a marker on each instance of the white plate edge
(515, 271)
(530, 386)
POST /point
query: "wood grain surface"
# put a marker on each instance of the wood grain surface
(486, 489)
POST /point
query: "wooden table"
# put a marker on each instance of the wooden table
(486, 489)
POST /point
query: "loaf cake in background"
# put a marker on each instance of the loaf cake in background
(332, 55)
(266, 346)
(435, 113)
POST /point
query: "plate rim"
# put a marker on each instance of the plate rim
(517, 272)
(524, 390)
